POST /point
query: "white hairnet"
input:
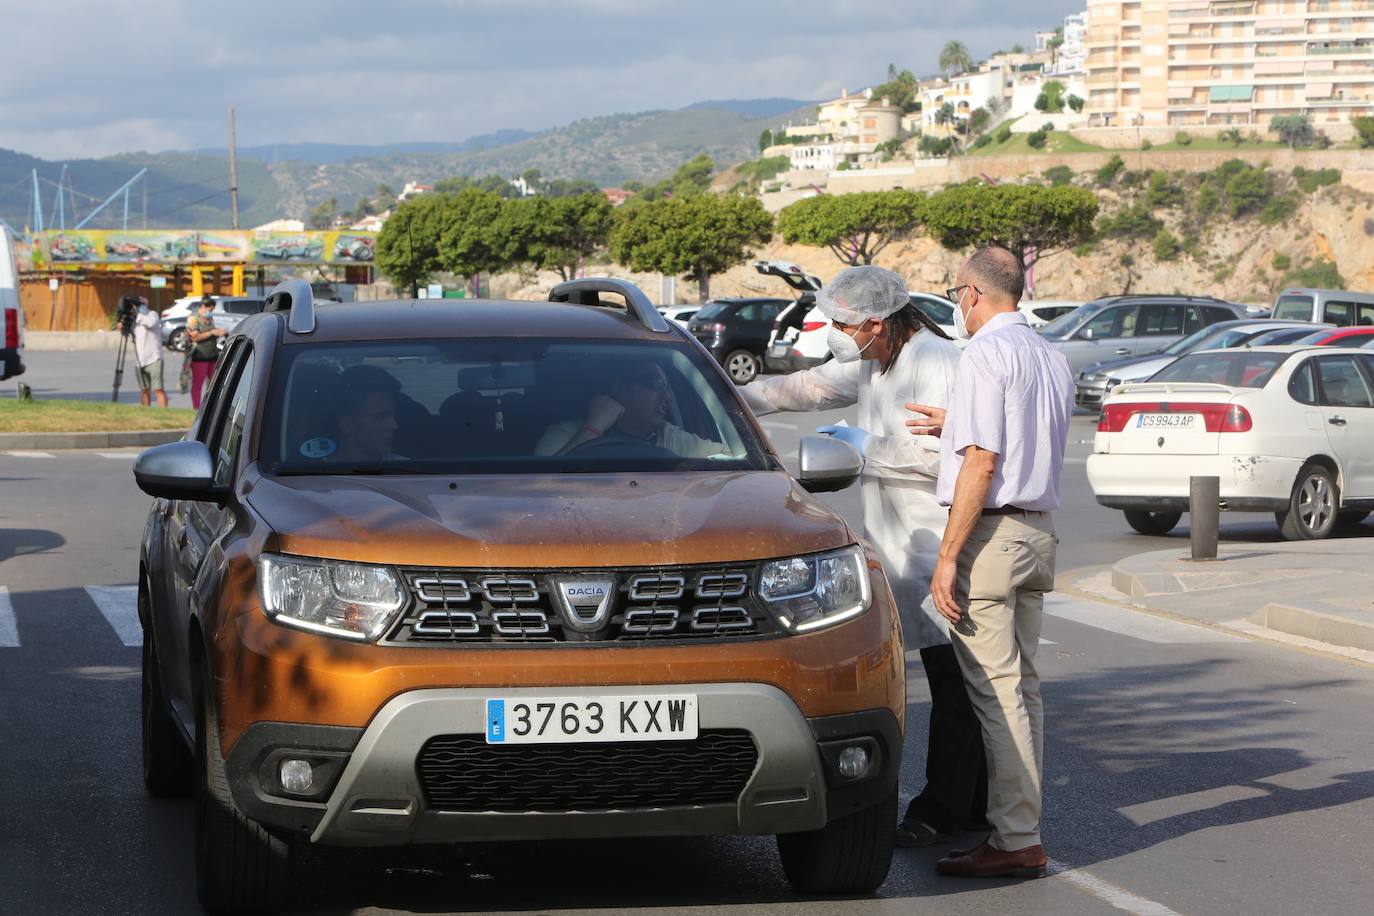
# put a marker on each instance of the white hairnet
(862, 292)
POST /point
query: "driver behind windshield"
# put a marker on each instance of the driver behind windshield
(365, 415)
(634, 411)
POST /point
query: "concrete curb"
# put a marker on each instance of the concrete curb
(115, 439)
(1166, 577)
(40, 341)
(1310, 624)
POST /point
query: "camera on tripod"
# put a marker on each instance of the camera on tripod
(126, 312)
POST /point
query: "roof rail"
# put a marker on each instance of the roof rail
(588, 292)
(295, 297)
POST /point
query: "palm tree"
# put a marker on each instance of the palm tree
(954, 58)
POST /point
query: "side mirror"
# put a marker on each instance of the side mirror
(179, 470)
(827, 464)
(1085, 334)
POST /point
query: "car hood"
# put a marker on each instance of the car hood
(541, 522)
(1109, 366)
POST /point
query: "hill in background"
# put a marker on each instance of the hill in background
(190, 189)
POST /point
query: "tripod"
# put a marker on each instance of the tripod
(125, 333)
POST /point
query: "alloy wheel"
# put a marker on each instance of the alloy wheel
(1315, 503)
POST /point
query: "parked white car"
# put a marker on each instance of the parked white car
(11, 313)
(678, 314)
(1286, 429)
(1040, 312)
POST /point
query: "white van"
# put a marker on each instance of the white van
(11, 315)
(1330, 306)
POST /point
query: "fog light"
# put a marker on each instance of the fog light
(298, 775)
(853, 762)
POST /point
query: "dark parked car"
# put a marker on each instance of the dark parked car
(736, 332)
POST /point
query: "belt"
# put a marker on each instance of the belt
(1010, 510)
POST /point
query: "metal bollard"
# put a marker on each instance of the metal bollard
(1204, 511)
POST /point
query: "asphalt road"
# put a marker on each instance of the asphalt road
(1188, 771)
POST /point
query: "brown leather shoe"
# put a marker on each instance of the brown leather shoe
(989, 862)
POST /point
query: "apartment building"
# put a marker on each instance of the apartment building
(966, 93)
(1222, 63)
(848, 129)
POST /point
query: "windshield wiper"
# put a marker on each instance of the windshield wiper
(325, 471)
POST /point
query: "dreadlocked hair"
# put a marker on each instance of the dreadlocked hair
(902, 324)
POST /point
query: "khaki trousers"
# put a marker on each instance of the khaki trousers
(1005, 570)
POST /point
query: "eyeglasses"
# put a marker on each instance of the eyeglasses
(952, 294)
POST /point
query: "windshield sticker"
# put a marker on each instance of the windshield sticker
(319, 447)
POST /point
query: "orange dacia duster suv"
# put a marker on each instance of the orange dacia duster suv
(436, 572)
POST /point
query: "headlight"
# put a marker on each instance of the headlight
(808, 593)
(327, 596)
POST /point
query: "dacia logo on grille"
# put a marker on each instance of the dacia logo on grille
(584, 603)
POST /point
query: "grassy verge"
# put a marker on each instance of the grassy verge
(87, 416)
(1212, 143)
(1058, 141)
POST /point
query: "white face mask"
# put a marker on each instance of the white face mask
(842, 345)
(960, 322)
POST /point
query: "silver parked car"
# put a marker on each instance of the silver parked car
(1133, 325)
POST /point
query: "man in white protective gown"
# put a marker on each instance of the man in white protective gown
(887, 353)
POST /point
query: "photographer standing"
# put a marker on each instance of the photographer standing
(204, 347)
(148, 353)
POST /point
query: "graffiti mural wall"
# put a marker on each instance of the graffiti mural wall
(114, 249)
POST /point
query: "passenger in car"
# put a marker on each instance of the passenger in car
(633, 412)
(365, 415)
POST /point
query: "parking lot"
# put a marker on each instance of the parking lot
(1185, 765)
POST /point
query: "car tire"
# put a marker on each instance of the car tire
(847, 856)
(168, 766)
(742, 366)
(177, 341)
(240, 866)
(1311, 512)
(1351, 518)
(1156, 523)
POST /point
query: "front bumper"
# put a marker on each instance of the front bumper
(376, 797)
(1249, 483)
(1089, 395)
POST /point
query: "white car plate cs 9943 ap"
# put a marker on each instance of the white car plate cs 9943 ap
(569, 720)
(1165, 420)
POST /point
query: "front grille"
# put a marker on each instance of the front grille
(449, 606)
(464, 773)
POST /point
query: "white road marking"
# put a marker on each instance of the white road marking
(1116, 897)
(1135, 624)
(119, 604)
(27, 454)
(9, 629)
(1161, 809)
(118, 456)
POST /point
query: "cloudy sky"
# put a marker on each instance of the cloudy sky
(90, 79)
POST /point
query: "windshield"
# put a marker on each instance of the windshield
(712, 309)
(1289, 335)
(1239, 369)
(502, 405)
(1065, 325)
(1294, 308)
(1193, 341)
(938, 312)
